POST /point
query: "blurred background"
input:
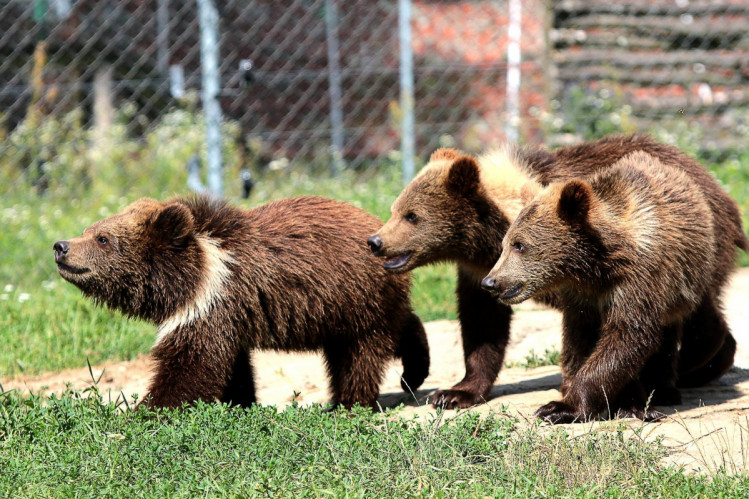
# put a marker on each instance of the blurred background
(104, 101)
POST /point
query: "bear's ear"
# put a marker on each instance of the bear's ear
(173, 225)
(445, 153)
(574, 202)
(463, 177)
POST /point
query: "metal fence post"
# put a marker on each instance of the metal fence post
(210, 77)
(334, 84)
(407, 89)
(162, 36)
(513, 71)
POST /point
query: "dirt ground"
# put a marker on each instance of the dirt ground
(709, 430)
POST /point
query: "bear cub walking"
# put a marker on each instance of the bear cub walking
(459, 208)
(293, 275)
(630, 253)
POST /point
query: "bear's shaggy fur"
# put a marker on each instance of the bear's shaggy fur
(292, 275)
(629, 253)
(458, 209)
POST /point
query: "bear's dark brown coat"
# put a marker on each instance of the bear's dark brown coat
(293, 275)
(629, 253)
(458, 210)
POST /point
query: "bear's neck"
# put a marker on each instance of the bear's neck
(181, 293)
(480, 243)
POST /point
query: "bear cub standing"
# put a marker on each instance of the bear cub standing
(630, 253)
(293, 275)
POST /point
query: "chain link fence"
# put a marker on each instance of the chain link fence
(313, 82)
(87, 86)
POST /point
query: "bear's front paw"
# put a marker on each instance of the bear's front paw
(559, 413)
(456, 399)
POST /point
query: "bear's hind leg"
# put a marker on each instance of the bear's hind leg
(413, 350)
(632, 402)
(703, 339)
(658, 377)
(714, 368)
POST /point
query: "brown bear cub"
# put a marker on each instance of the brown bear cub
(292, 275)
(629, 253)
(458, 209)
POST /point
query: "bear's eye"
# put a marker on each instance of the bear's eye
(102, 240)
(411, 217)
(518, 246)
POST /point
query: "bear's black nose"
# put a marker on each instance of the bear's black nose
(489, 283)
(375, 244)
(61, 249)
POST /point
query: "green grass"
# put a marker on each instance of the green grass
(76, 446)
(550, 357)
(57, 328)
(733, 174)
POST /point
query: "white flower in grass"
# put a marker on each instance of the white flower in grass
(4, 297)
(8, 288)
(23, 297)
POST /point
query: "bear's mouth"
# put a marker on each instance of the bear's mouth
(511, 292)
(71, 270)
(397, 261)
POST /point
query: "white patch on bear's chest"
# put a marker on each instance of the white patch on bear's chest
(215, 275)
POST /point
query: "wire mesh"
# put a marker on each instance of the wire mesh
(86, 82)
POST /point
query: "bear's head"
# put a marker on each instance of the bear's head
(547, 244)
(435, 216)
(127, 261)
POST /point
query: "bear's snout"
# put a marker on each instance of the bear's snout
(504, 290)
(375, 244)
(61, 250)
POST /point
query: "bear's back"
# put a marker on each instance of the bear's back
(585, 159)
(301, 269)
(663, 224)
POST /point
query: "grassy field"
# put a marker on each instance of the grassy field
(74, 446)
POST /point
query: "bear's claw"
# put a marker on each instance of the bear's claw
(456, 399)
(559, 413)
(640, 413)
